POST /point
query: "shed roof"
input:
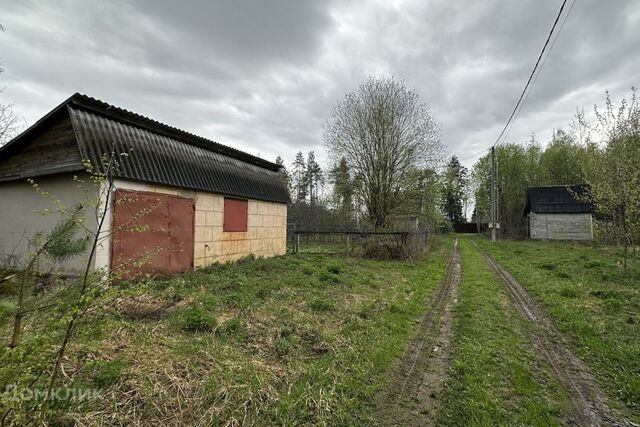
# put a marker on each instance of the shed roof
(158, 153)
(558, 199)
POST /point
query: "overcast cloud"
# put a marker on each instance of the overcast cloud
(262, 76)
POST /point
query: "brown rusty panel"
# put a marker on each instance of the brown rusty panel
(152, 233)
(235, 215)
(181, 232)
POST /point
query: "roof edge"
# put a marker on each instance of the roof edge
(36, 126)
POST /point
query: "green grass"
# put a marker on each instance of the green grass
(592, 301)
(295, 340)
(495, 377)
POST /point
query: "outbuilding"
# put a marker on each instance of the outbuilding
(176, 200)
(560, 212)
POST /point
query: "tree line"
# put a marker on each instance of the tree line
(603, 153)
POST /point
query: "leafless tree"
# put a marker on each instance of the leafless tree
(10, 123)
(384, 131)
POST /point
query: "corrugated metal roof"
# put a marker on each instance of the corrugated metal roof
(153, 157)
(159, 153)
(558, 199)
(87, 103)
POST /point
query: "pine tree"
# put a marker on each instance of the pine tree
(284, 174)
(314, 177)
(299, 178)
(455, 183)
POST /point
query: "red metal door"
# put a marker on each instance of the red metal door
(151, 233)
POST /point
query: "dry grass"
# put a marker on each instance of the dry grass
(295, 340)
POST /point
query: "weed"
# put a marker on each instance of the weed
(607, 294)
(196, 319)
(106, 372)
(324, 276)
(569, 293)
(334, 268)
(263, 292)
(321, 304)
(232, 327)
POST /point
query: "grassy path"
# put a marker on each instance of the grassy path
(412, 394)
(496, 377)
(592, 302)
(590, 404)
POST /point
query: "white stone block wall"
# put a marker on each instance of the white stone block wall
(265, 236)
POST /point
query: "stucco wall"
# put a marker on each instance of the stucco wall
(265, 235)
(576, 226)
(21, 217)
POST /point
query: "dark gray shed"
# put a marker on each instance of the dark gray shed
(559, 212)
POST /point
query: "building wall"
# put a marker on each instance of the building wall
(265, 235)
(53, 151)
(571, 226)
(22, 215)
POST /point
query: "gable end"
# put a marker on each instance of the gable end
(51, 150)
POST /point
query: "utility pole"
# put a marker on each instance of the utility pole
(494, 196)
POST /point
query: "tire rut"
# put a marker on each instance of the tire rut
(411, 395)
(588, 400)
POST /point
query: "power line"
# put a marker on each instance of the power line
(546, 43)
(473, 155)
(535, 79)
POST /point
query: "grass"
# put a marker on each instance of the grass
(495, 377)
(592, 301)
(295, 340)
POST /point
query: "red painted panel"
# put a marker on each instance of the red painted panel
(235, 215)
(152, 233)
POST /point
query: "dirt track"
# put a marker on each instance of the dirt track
(588, 400)
(411, 396)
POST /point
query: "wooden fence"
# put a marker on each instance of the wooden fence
(382, 245)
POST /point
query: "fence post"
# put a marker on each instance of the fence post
(296, 242)
(348, 242)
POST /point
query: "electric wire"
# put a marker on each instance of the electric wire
(544, 48)
(535, 79)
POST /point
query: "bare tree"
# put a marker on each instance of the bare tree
(383, 130)
(10, 123)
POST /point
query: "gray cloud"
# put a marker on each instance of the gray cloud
(263, 76)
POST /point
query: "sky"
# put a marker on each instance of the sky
(262, 76)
